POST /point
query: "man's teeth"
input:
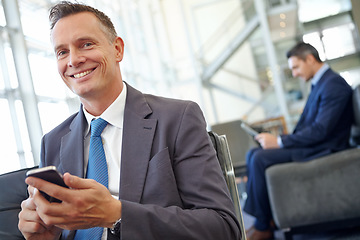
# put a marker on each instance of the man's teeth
(79, 75)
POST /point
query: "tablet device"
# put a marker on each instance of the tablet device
(249, 130)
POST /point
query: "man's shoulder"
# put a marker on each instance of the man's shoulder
(334, 80)
(164, 104)
(160, 100)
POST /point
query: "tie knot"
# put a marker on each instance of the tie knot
(97, 126)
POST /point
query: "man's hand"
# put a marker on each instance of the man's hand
(86, 204)
(267, 140)
(31, 225)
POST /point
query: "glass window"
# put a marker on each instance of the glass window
(2, 85)
(335, 42)
(315, 40)
(52, 114)
(2, 16)
(46, 79)
(339, 41)
(11, 67)
(24, 134)
(9, 159)
(35, 22)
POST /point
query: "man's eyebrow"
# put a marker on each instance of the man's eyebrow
(82, 39)
(56, 48)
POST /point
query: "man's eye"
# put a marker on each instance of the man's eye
(87, 44)
(61, 53)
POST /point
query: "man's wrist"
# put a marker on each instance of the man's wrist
(115, 229)
(115, 225)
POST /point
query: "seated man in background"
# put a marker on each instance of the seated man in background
(155, 170)
(323, 128)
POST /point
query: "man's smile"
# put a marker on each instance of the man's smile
(82, 74)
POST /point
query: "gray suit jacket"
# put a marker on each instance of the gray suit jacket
(171, 184)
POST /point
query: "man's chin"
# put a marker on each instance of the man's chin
(82, 93)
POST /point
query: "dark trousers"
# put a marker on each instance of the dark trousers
(257, 202)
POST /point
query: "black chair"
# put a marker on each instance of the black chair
(223, 154)
(13, 190)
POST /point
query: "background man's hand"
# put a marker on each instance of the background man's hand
(267, 140)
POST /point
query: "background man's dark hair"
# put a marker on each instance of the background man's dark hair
(301, 50)
(65, 8)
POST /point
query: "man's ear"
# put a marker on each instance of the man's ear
(310, 58)
(119, 48)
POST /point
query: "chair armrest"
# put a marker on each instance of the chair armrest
(322, 190)
(13, 190)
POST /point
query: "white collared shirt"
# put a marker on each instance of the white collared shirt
(112, 139)
(112, 142)
(319, 74)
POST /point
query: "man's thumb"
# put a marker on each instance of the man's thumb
(75, 182)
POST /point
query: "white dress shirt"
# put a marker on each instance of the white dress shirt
(112, 141)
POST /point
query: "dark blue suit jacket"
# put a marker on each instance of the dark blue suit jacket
(324, 126)
(171, 183)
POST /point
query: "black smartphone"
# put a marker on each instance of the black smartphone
(50, 174)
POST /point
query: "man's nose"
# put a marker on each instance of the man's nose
(75, 58)
(295, 73)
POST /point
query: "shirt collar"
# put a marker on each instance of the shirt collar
(114, 114)
(319, 74)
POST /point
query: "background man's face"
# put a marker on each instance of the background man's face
(301, 68)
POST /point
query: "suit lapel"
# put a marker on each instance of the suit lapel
(72, 147)
(136, 148)
(138, 137)
(312, 99)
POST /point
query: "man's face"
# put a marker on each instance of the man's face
(87, 61)
(301, 68)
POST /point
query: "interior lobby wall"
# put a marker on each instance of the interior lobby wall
(197, 37)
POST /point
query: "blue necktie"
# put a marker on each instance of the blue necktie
(97, 170)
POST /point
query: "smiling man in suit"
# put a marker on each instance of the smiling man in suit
(323, 128)
(163, 180)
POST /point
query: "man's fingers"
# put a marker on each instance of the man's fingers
(29, 219)
(49, 188)
(259, 136)
(78, 183)
(31, 191)
(28, 204)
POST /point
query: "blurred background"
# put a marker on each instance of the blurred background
(226, 55)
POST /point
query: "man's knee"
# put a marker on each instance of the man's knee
(250, 154)
(257, 159)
